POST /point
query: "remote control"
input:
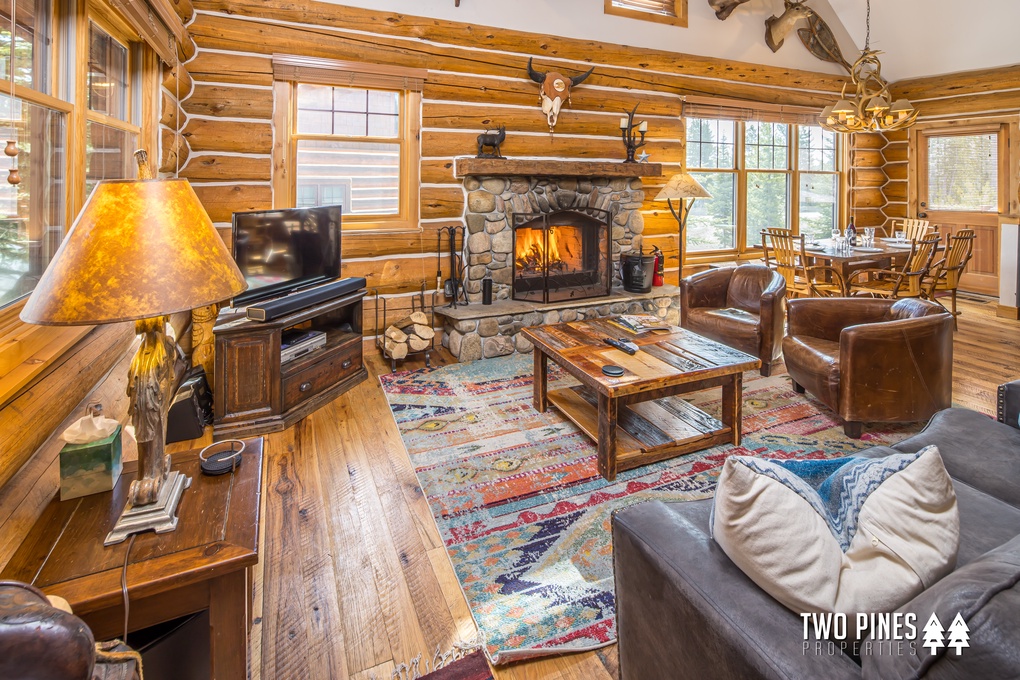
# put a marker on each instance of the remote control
(622, 345)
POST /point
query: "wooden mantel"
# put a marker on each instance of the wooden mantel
(512, 167)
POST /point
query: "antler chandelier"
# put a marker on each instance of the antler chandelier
(869, 109)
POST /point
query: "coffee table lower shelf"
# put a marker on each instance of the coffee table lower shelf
(647, 431)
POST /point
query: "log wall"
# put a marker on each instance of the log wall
(476, 79)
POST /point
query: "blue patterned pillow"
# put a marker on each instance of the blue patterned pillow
(845, 535)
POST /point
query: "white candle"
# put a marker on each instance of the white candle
(643, 127)
(623, 123)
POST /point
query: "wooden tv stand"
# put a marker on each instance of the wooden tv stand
(255, 394)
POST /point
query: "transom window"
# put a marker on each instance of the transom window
(761, 175)
(663, 11)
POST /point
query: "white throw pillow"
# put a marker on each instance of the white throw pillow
(850, 535)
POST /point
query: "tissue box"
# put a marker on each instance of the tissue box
(90, 468)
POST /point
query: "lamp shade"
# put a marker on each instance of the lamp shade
(139, 249)
(682, 185)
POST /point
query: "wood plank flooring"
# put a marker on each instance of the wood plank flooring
(353, 578)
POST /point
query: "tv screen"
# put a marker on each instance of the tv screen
(280, 251)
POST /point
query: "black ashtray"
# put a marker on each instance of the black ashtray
(612, 370)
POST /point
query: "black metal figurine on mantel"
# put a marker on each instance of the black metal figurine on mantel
(630, 140)
(491, 139)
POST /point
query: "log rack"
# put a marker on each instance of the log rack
(418, 304)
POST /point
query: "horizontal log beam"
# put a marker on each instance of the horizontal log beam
(228, 168)
(451, 32)
(230, 102)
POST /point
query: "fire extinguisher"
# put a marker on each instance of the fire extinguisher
(660, 267)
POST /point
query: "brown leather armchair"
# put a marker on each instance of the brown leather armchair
(741, 307)
(871, 360)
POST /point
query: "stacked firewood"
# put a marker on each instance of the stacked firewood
(411, 334)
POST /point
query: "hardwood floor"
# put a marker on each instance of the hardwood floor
(353, 577)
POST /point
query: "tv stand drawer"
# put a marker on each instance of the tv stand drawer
(333, 367)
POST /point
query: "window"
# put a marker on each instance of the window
(110, 135)
(353, 140)
(963, 172)
(349, 149)
(33, 213)
(663, 11)
(761, 175)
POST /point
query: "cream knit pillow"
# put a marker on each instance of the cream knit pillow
(843, 536)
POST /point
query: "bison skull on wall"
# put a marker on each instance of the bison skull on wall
(555, 90)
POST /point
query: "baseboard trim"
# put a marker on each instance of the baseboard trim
(1004, 312)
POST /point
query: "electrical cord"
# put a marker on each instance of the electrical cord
(123, 584)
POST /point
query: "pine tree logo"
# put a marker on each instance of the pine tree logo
(933, 634)
(958, 634)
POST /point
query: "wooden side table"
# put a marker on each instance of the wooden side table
(204, 564)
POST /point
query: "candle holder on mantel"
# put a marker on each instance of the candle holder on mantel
(629, 138)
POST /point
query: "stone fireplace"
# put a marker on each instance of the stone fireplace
(549, 234)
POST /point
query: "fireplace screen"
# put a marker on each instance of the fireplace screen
(562, 255)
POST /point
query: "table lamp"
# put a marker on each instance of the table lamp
(139, 251)
(682, 186)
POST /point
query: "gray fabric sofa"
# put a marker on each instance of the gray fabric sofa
(684, 610)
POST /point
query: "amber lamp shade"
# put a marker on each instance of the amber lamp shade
(139, 249)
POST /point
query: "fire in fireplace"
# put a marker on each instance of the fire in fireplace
(561, 255)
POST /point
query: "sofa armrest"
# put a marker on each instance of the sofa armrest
(827, 317)
(1008, 404)
(906, 365)
(684, 610)
(705, 289)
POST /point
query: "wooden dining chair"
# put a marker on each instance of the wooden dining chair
(903, 282)
(789, 258)
(914, 229)
(945, 273)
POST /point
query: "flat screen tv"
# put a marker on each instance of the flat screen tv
(280, 251)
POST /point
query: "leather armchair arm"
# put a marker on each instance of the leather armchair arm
(705, 289)
(905, 365)
(772, 315)
(827, 317)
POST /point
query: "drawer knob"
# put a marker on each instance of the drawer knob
(305, 386)
(346, 363)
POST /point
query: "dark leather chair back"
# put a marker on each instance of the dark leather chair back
(746, 286)
(39, 641)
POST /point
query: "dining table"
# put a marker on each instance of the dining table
(882, 255)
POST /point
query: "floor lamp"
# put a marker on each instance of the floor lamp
(685, 189)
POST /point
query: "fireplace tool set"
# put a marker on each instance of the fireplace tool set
(453, 286)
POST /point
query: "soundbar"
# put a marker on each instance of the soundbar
(274, 309)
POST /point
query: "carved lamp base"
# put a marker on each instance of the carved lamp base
(160, 516)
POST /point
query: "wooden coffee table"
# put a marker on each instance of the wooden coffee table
(637, 418)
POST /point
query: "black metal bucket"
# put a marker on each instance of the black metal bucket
(637, 271)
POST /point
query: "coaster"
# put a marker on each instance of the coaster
(612, 370)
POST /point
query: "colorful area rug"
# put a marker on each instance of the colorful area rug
(523, 511)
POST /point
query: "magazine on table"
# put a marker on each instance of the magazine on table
(641, 323)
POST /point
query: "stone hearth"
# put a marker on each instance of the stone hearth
(479, 331)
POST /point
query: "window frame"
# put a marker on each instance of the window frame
(794, 173)
(679, 8)
(289, 72)
(131, 123)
